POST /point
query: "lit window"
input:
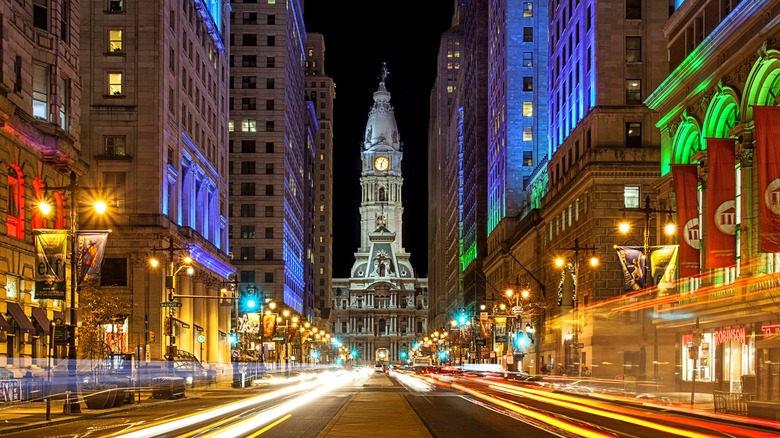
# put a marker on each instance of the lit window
(115, 84)
(528, 133)
(15, 219)
(633, 92)
(249, 125)
(528, 109)
(231, 126)
(631, 197)
(528, 59)
(528, 9)
(115, 145)
(41, 91)
(115, 5)
(115, 40)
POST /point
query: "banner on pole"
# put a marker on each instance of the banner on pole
(50, 248)
(91, 246)
(767, 164)
(721, 220)
(632, 262)
(689, 231)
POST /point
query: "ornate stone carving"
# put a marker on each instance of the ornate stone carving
(745, 157)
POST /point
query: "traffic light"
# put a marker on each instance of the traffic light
(232, 338)
(249, 302)
(152, 337)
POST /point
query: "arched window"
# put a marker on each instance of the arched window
(15, 207)
(382, 196)
(381, 327)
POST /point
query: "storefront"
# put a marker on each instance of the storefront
(768, 352)
(722, 359)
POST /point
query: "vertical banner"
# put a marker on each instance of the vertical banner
(91, 246)
(500, 329)
(485, 327)
(455, 336)
(767, 164)
(663, 266)
(721, 219)
(269, 325)
(634, 267)
(50, 248)
(688, 230)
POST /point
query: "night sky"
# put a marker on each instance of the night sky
(359, 36)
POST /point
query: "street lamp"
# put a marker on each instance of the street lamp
(624, 226)
(100, 207)
(288, 323)
(170, 286)
(573, 337)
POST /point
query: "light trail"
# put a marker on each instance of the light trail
(311, 389)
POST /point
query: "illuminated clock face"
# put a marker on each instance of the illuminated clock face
(381, 163)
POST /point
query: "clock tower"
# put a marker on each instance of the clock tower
(380, 177)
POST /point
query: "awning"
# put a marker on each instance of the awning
(40, 317)
(16, 312)
(771, 341)
(4, 326)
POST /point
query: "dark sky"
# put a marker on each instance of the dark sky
(359, 36)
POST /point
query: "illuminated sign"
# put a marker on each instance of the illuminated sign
(730, 335)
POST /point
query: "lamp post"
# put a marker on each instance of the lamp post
(288, 323)
(72, 406)
(573, 336)
(669, 229)
(170, 286)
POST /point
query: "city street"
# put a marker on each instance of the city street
(363, 403)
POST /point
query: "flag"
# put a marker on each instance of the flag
(721, 211)
(663, 266)
(632, 261)
(767, 164)
(269, 325)
(50, 247)
(688, 229)
(91, 245)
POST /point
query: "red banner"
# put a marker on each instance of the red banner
(688, 229)
(767, 164)
(721, 212)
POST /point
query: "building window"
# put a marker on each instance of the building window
(269, 190)
(247, 167)
(269, 168)
(269, 211)
(269, 254)
(633, 49)
(633, 9)
(269, 105)
(247, 231)
(247, 210)
(249, 18)
(528, 34)
(528, 59)
(247, 189)
(271, 19)
(268, 277)
(65, 21)
(231, 126)
(248, 82)
(64, 103)
(247, 146)
(269, 126)
(114, 83)
(631, 197)
(269, 232)
(15, 219)
(528, 83)
(248, 103)
(270, 62)
(248, 39)
(115, 41)
(269, 147)
(633, 135)
(248, 125)
(247, 253)
(271, 40)
(41, 14)
(249, 61)
(115, 184)
(528, 133)
(270, 83)
(114, 145)
(633, 92)
(528, 159)
(528, 109)
(116, 5)
(41, 91)
(528, 9)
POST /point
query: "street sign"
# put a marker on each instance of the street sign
(236, 353)
(170, 304)
(516, 310)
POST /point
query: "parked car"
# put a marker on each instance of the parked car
(379, 368)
